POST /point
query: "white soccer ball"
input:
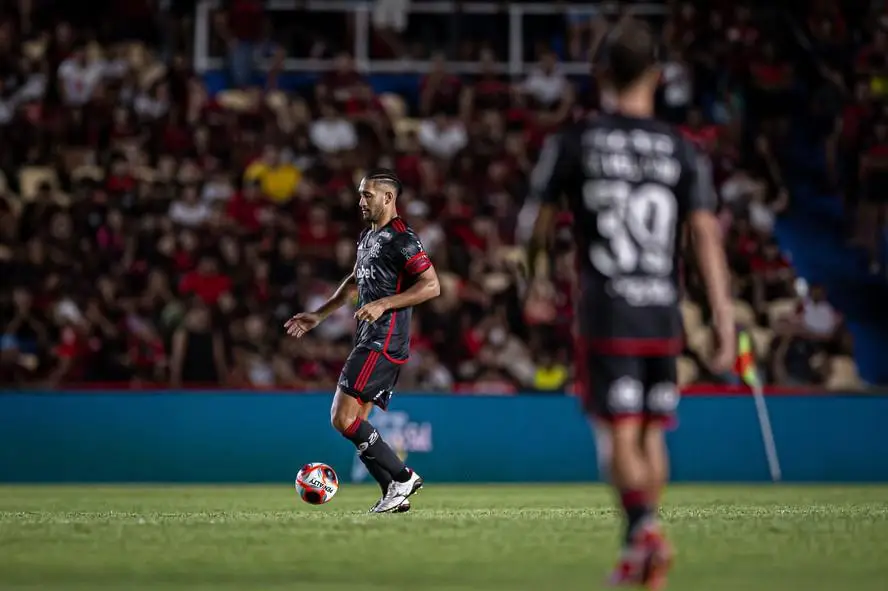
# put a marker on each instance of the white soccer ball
(317, 483)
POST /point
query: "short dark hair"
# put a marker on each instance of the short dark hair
(385, 175)
(627, 52)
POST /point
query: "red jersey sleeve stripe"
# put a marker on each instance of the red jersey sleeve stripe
(417, 263)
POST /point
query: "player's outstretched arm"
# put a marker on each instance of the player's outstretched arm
(424, 288)
(303, 322)
(706, 239)
(539, 238)
(547, 184)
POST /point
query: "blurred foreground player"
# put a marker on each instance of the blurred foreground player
(392, 273)
(633, 185)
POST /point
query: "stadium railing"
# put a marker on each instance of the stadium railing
(515, 65)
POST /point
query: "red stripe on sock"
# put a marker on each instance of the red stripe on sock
(353, 428)
(366, 371)
(633, 498)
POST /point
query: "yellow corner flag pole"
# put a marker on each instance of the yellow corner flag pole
(746, 368)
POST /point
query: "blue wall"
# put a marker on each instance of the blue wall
(265, 437)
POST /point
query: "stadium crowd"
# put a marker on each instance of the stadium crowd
(151, 233)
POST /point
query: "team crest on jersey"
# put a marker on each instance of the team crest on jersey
(385, 236)
(374, 250)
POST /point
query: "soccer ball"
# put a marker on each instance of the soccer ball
(316, 483)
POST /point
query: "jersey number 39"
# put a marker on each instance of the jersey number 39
(637, 225)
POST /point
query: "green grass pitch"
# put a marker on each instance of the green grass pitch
(519, 537)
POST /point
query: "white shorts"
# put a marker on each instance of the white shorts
(391, 14)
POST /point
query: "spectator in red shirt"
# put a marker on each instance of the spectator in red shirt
(340, 84)
(249, 210)
(439, 90)
(73, 351)
(771, 79)
(146, 350)
(409, 161)
(368, 114)
(704, 135)
(772, 277)
(120, 179)
(206, 282)
(489, 92)
(363, 102)
(318, 236)
(111, 237)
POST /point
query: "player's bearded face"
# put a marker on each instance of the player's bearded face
(368, 211)
(372, 203)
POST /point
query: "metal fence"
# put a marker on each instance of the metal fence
(512, 14)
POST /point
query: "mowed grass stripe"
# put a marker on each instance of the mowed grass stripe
(457, 537)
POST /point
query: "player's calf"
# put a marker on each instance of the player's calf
(346, 418)
(373, 449)
(657, 457)
(630, 475)
(379, 474)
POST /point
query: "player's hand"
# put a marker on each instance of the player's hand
(726, 344)
(301, 323)
(372, 311)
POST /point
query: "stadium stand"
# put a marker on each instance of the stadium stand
(159, 222)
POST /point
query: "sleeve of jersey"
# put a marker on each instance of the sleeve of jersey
(548, 178)
(702, 193)
(416, 260)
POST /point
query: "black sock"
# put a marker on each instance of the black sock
(380, 474)
(373, 449)
(637, 507)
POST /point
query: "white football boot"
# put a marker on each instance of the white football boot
(402, 508)
(397, 494)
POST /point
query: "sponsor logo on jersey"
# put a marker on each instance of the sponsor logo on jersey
(365, 272)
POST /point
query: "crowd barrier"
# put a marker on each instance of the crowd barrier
(247, 437)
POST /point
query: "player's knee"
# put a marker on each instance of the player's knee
(342, 418)
(625, 438)
(344, 412)
(342, 422)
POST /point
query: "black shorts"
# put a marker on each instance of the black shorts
(615, 388)
(369, 376)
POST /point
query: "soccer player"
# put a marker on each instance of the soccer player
(634, 186)
(392, 274)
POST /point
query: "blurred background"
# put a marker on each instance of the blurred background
(178, 178)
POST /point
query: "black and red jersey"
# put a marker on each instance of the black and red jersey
(631, 183)
(389, 261)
